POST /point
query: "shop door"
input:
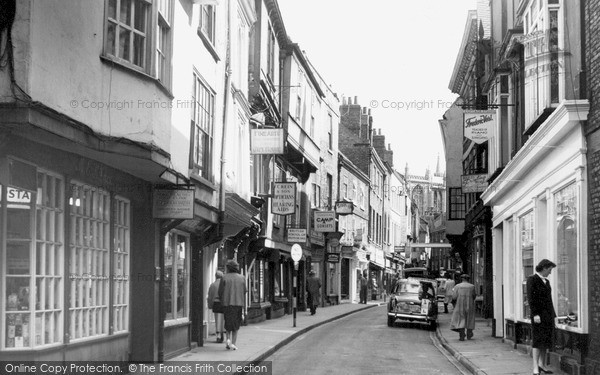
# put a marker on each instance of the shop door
(345, 278)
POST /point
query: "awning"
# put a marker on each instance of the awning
(238, 214)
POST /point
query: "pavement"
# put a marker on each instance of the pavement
(483, 354)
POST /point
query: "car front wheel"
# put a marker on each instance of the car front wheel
(391, 321)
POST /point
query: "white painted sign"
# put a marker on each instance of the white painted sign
(284, 198)
(296, 235)
(324, 221)
(14, 195)
(296, 252)
(173, 204)
(479, 125)
(266, 141)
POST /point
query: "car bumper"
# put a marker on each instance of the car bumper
(411, 317)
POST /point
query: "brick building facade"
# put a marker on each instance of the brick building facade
(592, 60)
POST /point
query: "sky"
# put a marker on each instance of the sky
(395, 56)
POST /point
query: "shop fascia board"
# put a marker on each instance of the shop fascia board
(565, 119)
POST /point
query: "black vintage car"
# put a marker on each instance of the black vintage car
(413, 300)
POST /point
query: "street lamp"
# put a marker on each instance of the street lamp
(296, 256)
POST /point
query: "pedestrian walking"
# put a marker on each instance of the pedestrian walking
(232, 293)
(364, 283)
(539, 296)
(449, 289)
(214, 303)
(313, 287)
(463, 315)
(372, 286)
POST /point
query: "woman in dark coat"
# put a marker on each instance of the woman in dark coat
(539, 296)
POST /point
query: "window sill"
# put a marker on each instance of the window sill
(209, 45)
(177, 322)
(203, 181)
(128, 67)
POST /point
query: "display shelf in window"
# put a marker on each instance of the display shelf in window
(18, 331)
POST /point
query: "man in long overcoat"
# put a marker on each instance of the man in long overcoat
(313, 287)
(463, 315)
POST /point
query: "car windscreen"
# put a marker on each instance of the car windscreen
(411, 287)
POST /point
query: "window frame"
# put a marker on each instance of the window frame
(147, 35)
(454, 213)
(175, 320)
(164, 39)
(199, 170)
(208, 33)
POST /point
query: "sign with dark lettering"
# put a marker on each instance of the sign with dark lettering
(173, 204)
(296, 235)
(479, 125)
(333, 257)
(324, 221)
(284, 198)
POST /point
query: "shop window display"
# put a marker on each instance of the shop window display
(176, 280)
(526, 222)
(567, 254)
(33, 265)
(34, 256)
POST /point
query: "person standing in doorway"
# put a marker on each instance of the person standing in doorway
(313, 287)
(539, 296)
(373, 286)
(364, 284)
(232, 293)
(449, 288)
(214, 303)
(463, 315)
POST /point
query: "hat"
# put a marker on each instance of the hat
(232, 265)
(312, 272)
(465, 276)
(219, 274)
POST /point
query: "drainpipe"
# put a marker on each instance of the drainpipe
(226, 93)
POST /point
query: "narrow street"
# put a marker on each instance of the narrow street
(362, 343)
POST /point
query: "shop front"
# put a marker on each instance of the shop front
(544, 215)
(376, 273)
(75, 268)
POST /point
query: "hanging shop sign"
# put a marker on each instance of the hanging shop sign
(474, 183)
(324, 221)
(333, 257)
(479, 125)
(344, 208)
(296, 235)
(173, 204)
(284, 198)
(266, 141)
(317, 238)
